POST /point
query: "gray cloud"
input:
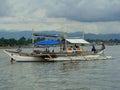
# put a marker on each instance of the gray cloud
(27, 14)
(78, 10)
(4, 8)
(85, 10)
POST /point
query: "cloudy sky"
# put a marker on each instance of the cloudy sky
(90, 16)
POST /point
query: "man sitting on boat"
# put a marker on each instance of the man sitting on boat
(103, 46)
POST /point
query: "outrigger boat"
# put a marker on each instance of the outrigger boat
(66, 52)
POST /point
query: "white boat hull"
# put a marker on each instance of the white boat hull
(20, 58)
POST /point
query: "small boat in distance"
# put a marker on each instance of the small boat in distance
(69, 49)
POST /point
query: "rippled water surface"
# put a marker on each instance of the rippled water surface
(75, 75)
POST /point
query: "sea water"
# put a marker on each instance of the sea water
(66, 75)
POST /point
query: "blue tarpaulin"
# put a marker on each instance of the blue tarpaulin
(47, 42)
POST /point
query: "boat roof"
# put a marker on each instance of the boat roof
(47, 42)
(78, 41)
(46, 35)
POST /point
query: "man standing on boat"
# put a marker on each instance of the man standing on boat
(93, 48)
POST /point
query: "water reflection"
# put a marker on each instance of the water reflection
(69, 66)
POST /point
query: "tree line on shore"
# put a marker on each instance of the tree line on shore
(109, 42)
(16, 42)
(24, 41)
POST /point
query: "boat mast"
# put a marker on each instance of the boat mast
(65, 37)
(65, 41)
(83, 35)
(33, 38)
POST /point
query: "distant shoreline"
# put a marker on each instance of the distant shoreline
(15, 47)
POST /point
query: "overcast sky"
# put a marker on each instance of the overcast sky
(90, 16)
